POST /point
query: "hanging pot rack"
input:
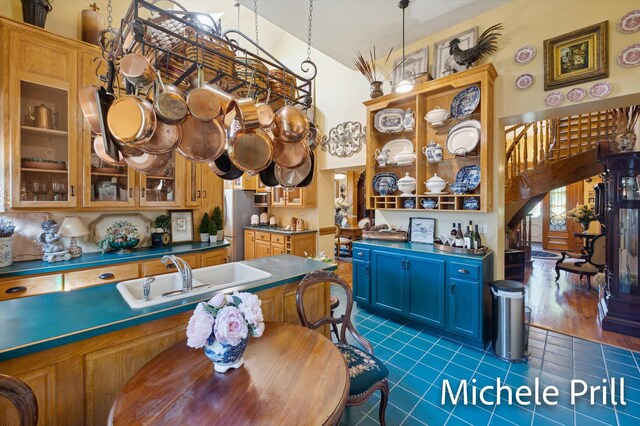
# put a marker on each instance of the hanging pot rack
(171, 27)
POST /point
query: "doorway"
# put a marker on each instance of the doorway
(557, 229)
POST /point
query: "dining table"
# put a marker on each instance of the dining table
(291, 376)
(351, 231)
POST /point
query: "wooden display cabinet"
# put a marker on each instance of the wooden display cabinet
(165, 189)
(424, 98)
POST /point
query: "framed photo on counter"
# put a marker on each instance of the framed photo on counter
(181, 226)
(422, 230)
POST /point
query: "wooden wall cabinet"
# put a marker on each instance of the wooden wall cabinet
(245, 181)
(294, 197)
(264, 243)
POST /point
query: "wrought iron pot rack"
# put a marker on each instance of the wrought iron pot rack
(160, 35)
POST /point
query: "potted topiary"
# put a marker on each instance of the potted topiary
(6, 242)
(212, 232)
(204, 228)
(217, 219)
(160, 234)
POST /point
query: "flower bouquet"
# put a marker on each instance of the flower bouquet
(223, 326)
(121, 236)
(584, 214)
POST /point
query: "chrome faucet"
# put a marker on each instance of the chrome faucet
(183, 269)
(146, 288)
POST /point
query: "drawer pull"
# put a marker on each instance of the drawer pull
(407, 264)
(16, 289)
(170, 265)
(360, 254)
(106, 276)
(198, 193)
(204, 194)
(453, 289)
(462, 271)
(403, 264)
(130, 192)
(366, 270)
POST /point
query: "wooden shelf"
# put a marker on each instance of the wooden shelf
(44, 132)
(161, 177)
(450, 122)
(109, 174)
(44, 170)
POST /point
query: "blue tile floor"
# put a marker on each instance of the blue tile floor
(419, 361)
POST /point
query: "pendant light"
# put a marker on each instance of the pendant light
(406, 84)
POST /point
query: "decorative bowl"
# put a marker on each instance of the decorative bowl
(458, 187)
(405, 157)
(407, 185)
(123, 246)
(428, 203)
(436, 116)
(435, 183)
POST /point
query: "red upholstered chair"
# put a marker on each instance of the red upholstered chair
(366, 373)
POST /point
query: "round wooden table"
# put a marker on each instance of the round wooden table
(291, 375)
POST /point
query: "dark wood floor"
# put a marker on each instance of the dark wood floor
(567, 308)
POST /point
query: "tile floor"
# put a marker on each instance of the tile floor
(418, 361)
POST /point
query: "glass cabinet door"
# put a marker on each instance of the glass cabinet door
(628, 252)
(628, 188)
(294, 197)
(194, 184)
(163, 189)
(278, 196)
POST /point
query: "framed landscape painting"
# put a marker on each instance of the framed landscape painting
(576, 57)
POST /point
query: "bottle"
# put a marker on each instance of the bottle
(478, 239)
(468, 237)
(459, 236)
(452, 238)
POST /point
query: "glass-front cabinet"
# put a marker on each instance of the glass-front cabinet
(194, 184)
(622, 214)
(163, 189)
(43, 88)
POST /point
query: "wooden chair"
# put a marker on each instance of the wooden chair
(342, 241)
(587, 264)
(366, 373)
(22, 397)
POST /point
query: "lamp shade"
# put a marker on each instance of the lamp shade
(73, 226)
(404, 86)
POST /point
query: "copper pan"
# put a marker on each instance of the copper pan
(203, 141)
(202, 101)
(101, 152)
(290, 155)
(168, 102)
(224, 168)
(131, 120)
(313, 137)
(89, 104)
(251, 150)
(149, 163)
(137, 69)
(291, 178)
(290, 124)
(164, 140)
(266, 116)
(225, 99)
(245, 112)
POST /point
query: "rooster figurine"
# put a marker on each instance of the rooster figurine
(485, 46)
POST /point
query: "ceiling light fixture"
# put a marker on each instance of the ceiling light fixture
(406, 84)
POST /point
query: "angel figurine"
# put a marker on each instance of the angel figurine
(49, 240)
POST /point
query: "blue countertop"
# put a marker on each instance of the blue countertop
(33, 324)
(96, 259)
(416, 247)
(280, 230)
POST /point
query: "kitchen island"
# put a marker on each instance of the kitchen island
(78, 349)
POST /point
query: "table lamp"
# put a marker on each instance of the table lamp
(73, 226)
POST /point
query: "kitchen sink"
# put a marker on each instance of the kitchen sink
(166, 288)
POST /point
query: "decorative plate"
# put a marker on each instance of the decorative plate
(554, 99)
(524, 81)
(524, 55)
(385, 183)
(629, 23)
(391, 120)
(99, 226)
(397, 146)
(470, 175)
(600, 90)
(630, 56)
(463, 137)
(576, 95)
(465, 102)
(471, 203)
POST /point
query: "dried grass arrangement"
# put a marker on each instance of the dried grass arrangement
(625, 118)
(368, 67)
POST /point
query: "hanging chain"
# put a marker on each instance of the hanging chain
(255, 15)
(109, 17)
(237, 6)
(309, 31)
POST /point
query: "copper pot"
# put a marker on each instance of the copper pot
(266, 116)
(100, 150)
(202, 101)
(168, 102)
(203, 141)
(128, 150)
(290, 178)
(290, 124)
(131, 120)
(251, 150)
(149, 163)
(245, 112)
(290, 155)
(164, 140)
(137, 69)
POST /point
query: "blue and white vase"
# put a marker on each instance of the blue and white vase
(225, 356)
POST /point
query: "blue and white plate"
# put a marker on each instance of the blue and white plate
(385, 183)
(470, 175)
(465, 102)
(471, 203)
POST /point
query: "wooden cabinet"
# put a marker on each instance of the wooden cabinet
(262, 248)
(277, 249)
(31, 286)
(99, 276)
(245, 181)
(164, 189)
(441, 291)
(264, 243)
(293, 197)
(249, 244)
(213, 258)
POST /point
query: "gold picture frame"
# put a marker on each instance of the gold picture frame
(577, 57)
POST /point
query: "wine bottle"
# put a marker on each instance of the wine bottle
(467, 238)
(452, 238)
(478, 239)
(459, 236)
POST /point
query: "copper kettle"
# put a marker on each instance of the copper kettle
(42, 116)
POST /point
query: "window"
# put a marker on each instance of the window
(558, 209)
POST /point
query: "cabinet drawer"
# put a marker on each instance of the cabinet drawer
(31, 286)
(263, 236)
(108, 274)
(360, 254)
(277, 238)
(155, 267)
(465, 271)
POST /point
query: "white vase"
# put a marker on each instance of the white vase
(220, 235)
(204, 237)
(213, 238)
(6, 251)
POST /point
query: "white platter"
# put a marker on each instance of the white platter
(397, 146)
(463, 137)
(600, 89)
(576, 94)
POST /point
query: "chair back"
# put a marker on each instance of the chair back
(597, 250)
(22, 397)
(337, 231)
(320, 276)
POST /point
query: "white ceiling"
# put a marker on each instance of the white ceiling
(342, 26)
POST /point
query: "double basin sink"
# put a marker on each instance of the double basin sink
(167, 288)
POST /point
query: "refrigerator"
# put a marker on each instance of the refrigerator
(238, 209)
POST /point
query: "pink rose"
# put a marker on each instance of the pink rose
(199, 328)
(250, 307)
(218, 301)
(230, 326)
(258, 329)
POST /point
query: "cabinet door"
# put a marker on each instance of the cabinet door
(212, 258)
(303, 245)
(277, 249)
(387, 280)
(43, 136)
(464, 305)
(294, 197)
(164, 189)
(361, 282)
(249, 245)
(262, 249)
(424, 290)
(193, 189)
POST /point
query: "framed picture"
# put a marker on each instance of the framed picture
(181, 226)
(422, 229)
(415, 63)
(444, 63)
(576, 57)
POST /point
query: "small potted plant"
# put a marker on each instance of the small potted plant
(6, 242)
(204, 228)
(160, 233)
(217, 219)
(213, 230)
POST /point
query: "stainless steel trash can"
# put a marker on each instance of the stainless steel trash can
(508, 325)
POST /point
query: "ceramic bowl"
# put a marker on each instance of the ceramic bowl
(458, 188)
(435, 184)
(436, 116)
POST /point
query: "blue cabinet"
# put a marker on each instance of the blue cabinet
(387, 280)
(464, 307)
(361, 282)
(424, 290)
